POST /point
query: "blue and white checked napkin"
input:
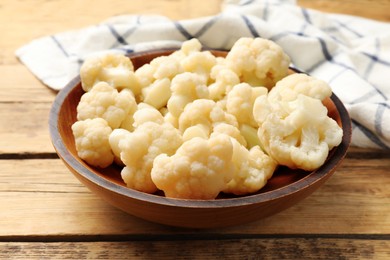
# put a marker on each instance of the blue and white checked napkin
(352, 54)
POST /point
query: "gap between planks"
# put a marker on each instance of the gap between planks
(28, 156)
(191, 234)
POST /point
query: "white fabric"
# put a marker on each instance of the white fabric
(352, 54)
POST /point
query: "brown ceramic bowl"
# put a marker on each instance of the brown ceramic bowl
(284, 189)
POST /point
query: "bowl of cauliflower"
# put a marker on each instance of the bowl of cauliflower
(200, 138)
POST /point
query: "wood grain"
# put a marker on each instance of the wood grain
(262, 248)
(348, 218)
(346, 204)
(23, 88)
(378, 9)
(24, 128)
(20, 25)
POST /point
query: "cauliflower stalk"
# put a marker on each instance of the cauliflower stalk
(158, 93)
(296, 131)
(200, 169)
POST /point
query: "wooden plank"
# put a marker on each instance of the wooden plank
(62, 15)
(36, 190)
(24, 128)
(365, 8)
(18, 84)
(266, 248)
(32, 190)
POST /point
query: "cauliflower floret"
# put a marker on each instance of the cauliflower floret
(163, 67)
(289, 87)
(146, 113)
(257, 61)
(166, 67)
(297, 133)
(200, 169)
(106, 102)
(240, 101)
(253, 168)
(230, 130)
(203, 131)
(224, 80)
(115, 69)
(185, 87)
(187, 47)
(205, 112)
(200, 63)
(198, 130)
(92, 145)
(139, 148)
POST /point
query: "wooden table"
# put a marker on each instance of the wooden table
(45, 213)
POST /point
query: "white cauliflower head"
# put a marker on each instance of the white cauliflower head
(139, 148)
(200, 63)
(230, 130)
(187, 47)
(291, 86)
(92, 145)
(166, 67)
(162, 67)
(106, 102)
(240, 102)
(115, 69)
(253, 168)
(145, 114)
(200, 169)
(257, 61)
(205, 112)
(198, 130)
(224, 80)
(298, 133)
(186, 87)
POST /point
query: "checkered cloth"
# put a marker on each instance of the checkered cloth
(352, 54)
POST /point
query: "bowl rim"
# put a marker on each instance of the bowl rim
(332, 162)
